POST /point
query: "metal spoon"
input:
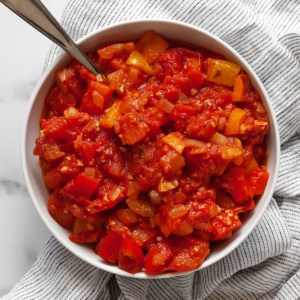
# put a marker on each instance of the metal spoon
(38, 16)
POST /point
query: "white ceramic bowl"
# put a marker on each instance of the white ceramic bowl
(129, 31)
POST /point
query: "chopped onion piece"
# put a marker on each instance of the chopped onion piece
(177, 211)
(165, 105)
(194, 143)
(53, 151)
(222, 123)
(155, 197)
(114, 194)
(91, 125)
(78, 141)
(71, 112)
(219, 139)
(165, 186)
(230, 152)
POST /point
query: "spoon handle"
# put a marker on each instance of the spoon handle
(38, 16)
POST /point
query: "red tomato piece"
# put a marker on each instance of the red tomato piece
(224, 223)
(131, 257)
(110, 246)
(259, 180)
(157, 258)
(82, 186)
(236, 182)
(132, 128)
(190, 78)
(99, 205)
(55, 127)
(57, 101)
(86, 237)
(203, 126)
(189, 253)
(59, 212)
(54, 178)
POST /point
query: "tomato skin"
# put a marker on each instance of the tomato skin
(85, 237)
(55, 127)
(53, 178)
(57, 102)
(189, 253)
(110, 246)
(157, 258)
(96, 90)
(116, 247)
(126, 216)
(59, 213)
(133, 128)
(236, 182)
(81, 186)
(202, 126)
(79, 211)
(224, 223)
(259, 180)
(99, 205)
(131, 257)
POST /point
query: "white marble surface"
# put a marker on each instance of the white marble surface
(22, 54)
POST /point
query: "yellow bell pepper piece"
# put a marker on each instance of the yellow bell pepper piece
(174, 142)
(222, 71)
(136, 59)
(111, 115)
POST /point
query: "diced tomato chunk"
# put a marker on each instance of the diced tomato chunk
(110, 246)
(57, 101)
(259, 180)
(131, 257)
(236, 182)
(189, 253)
(59, 212)
(157, 258)
(132, 129)
(224, 223)
(82, 186)
(86, 237)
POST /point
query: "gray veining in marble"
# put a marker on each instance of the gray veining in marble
(11, 186)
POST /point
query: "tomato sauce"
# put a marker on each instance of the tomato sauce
(158, 160)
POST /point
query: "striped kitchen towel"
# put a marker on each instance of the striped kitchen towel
(266, 265)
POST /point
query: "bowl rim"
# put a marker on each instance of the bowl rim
(116, 270)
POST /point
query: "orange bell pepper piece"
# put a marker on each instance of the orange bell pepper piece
(151, 45)
(234, 121)
(111, 115)
(251, 166)
(238, 89)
